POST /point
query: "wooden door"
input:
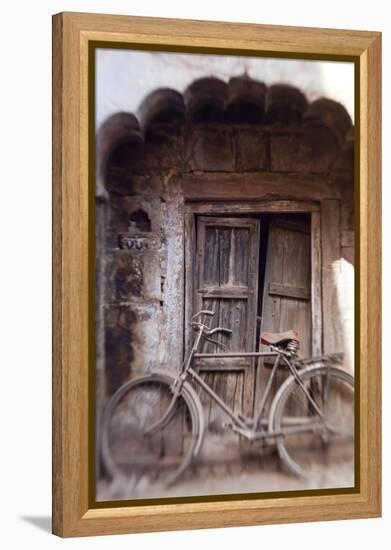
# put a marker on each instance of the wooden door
(287, 286)
(226, 281)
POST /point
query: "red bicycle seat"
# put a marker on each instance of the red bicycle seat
(276, 338)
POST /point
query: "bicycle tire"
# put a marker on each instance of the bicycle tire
(134, 456)
(321, 449)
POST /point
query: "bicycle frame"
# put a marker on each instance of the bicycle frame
(235, 417)
(264, 424)
(248, 427)
(240, 425)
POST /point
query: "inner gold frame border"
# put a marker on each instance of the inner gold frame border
(73, 33)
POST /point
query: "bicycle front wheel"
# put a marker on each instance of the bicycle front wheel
(314, 428)
(148, 439)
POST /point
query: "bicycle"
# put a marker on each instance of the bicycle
(154, 425)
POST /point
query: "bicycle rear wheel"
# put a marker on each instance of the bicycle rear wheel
(316, 437)
(137, 447)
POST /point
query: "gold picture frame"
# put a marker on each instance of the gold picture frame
(73, 318)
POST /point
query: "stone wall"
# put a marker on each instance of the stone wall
(191, 151)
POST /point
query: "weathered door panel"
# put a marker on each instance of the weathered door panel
(287, 287)
(226, 281)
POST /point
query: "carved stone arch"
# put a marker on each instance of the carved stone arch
(330, 114)
(162, 106)
(245, 101)
(205, 100)
(285, 105)
(118, 130)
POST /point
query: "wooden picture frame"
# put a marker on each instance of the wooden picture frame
(73, 33)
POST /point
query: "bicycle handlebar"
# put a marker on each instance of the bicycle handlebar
(208, 331)
(203, 312)
(219, 329)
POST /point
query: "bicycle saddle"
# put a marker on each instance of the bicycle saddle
(276, 338)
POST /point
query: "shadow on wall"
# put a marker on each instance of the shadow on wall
(125, 78)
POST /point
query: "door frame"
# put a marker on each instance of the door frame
(228, 208)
